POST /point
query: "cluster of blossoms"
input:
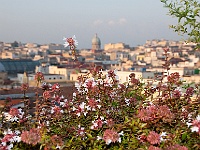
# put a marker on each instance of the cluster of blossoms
(155, 113)
(105, 114)
(14, 115)
(71, 42)
(111, 136)
(31, 137)
(10, 137)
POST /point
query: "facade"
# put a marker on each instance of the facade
(111, 46)
(124, 56)
(10, 55)
(3, 77)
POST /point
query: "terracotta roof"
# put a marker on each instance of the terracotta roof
(67, 92)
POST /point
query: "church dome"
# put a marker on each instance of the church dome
(96, 40)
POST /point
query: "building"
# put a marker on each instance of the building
(96, 43)
(12, 67)
(115, 46)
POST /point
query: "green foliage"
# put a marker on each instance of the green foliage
(187, 13)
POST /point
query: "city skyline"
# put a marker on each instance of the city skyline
(48, 21)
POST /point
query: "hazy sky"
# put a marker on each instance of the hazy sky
(48, 21)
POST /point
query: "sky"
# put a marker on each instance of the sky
(48, 21)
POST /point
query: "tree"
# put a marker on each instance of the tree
(187, 13)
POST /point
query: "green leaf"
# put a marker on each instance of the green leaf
(184, 136)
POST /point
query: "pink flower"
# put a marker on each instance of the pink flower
(97, 124)
(7, 137)
(173, 78)
(110, 122)
(31, 137)
(165, 114)
(153, 148)
(176, 93)
(153, 138)
(55, 87)
(196, 125)
(56, 110)
(189, 91)
(46, 95)
(93, 105)
(14, 112)
(111, 136)
(56, 140)
(80, 109)
(176, 147)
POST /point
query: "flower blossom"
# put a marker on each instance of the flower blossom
(153, 138)
(39, 76)
(56, 110)
(174, 78)
(93, 104)
(153, 148)
(31, 137)
(70, 41)
(80, 131)
(110, 136)
(195, 125)
(80, 109)
(176, 147)
(9, 138)
(97, 124)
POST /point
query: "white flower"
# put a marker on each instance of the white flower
(162, 135)
(99, 137)
(198, 117)
(102, 117)
(9, 131)
(58, 147)
(78, 114)
(3, 143)
(9, 147)
(7, 116)
(17, 132)
(195, 129)
(119, 140)
(15, 139)
(82, 105)
(99, 106)
(15, 118)
(188, 124)
(62, 104)
(74, 94)
(108, 141)
(73, 108)
(127, 101)
(85, 113)
(121, 133)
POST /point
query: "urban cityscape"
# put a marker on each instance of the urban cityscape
(21, 61)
